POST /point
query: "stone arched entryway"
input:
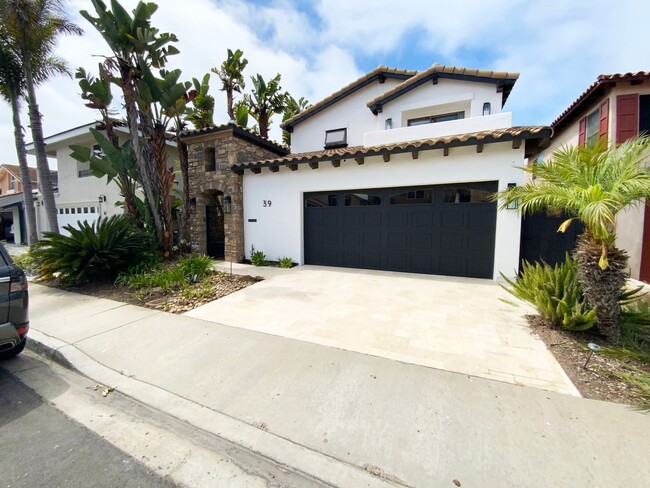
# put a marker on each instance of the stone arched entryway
(214, 223)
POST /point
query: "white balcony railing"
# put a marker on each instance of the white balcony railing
(438, 129)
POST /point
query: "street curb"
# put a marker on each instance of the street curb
(281, 451)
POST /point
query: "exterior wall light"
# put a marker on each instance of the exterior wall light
(487, 108)
(101, 198)
(227, 205)
(514, 205)
(388, 125)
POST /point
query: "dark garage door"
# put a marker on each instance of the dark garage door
(444, 229)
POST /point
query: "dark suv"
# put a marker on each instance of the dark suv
(14, 304)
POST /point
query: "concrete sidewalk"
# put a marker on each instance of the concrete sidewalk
(341, 416)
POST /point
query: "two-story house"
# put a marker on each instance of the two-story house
(395, 171)
(80, 195)
(614, 108)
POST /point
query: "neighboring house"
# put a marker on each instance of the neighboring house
(82, 196)
(392, 172)
(614, 108)
(12, 208)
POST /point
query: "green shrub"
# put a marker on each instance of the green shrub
(91, 251)
(555, 292)
(258, 258)
(285, 262)
(167, 277)
(26, 261)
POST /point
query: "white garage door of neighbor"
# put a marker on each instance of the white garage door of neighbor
(69, 215)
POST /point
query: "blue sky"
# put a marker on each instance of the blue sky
(558, 47)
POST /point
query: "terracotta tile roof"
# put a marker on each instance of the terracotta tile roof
(594, 91)
(14, 169)
(369, 77)
(241, 132)
(468, 139)
(504, 79)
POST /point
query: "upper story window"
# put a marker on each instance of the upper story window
(436, 118)
(592, 129)
(12, 182)
(336, 138)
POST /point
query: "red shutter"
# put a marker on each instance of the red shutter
(627, 117)
(603, 126)
(582, 131)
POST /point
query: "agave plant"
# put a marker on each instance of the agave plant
(593, 184)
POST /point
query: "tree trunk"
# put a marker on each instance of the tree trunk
(142, 151)
(42, 166)
(229, 101)
(164, 185)
(185, 211)
(602, 287)
(30, 212)
(263, 122)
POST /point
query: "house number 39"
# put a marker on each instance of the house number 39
(266, 203)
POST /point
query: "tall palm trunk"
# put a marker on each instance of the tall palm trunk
(126, 184)
(42, 166)
(140, 147)
(185, 211)
(164, 184)
(30, 212)
(602, 287)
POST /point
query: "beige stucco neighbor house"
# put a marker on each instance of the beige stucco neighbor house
(615, 108)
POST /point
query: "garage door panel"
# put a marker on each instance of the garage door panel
(404, 229)
(452, 218)
(397, 240)
(450, 241)
(422, 241)
(371, 239)
(451, 265)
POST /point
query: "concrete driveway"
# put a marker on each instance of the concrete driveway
(455, 324)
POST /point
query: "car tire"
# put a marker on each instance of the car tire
(15, 351)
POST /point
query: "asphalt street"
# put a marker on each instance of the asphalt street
(41, 447)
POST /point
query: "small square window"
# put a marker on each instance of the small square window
(73, 210)
(67, 211)
(85, 210)
(336, 138)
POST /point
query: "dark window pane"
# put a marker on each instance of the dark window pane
(436, 118)
(354, 199)
(412, 197)
(321, 200)
(466, 195)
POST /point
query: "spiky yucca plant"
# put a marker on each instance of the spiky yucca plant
(98, 250)
(593, 184)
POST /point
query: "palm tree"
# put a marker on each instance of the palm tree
(292, 108)
(30, 29)
(593, 184)
(12, 89)
(267, 99)
(232, 78)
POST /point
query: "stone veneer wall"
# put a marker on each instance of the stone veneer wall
(229, 150)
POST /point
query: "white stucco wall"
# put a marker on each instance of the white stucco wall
(350, 112)
(278, 231)
(445, 97)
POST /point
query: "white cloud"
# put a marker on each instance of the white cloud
(558, 46)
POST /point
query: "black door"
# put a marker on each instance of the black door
(214, 231)
(444, 229)
(540, 240)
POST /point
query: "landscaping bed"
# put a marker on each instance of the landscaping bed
(212, 287)
(601, 379)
